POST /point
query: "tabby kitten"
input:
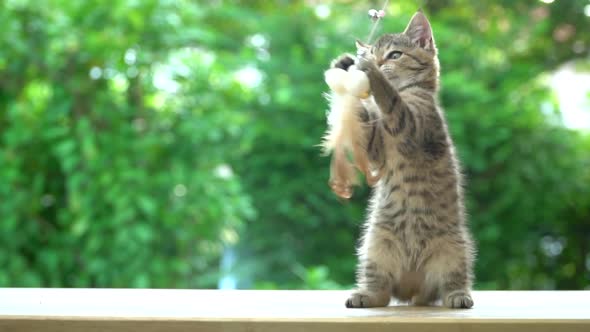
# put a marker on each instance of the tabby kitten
(416, 246)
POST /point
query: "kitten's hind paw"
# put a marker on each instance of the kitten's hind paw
(366, 300)
(343, 62)
(458, 299)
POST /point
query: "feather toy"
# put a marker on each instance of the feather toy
(345, 138)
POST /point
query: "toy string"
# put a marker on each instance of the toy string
(376, 23)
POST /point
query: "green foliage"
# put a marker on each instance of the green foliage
(108, 180)
(139, 139)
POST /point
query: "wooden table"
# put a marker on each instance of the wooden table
(65, 310)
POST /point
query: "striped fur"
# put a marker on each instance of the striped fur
(416, 245)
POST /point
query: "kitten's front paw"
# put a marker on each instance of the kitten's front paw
(458, 299)
(343, 62)
(365, 63)
(366, 300)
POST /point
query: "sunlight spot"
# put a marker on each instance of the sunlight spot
(587, 10)
(552, 246)
(163, 80)
(205, 57)
(130, 56)
(120, 83)
(157, 101)
(95, 73)
(229, 236)
(322, 11)
(249, 77)
(258, 40)
(547, 1)
(224, 171)
(572, 88)
(179, 190)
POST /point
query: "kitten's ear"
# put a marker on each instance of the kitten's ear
(420, 32)
(362, 49)
(362, 46)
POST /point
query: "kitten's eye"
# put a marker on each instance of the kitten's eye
(394, 55)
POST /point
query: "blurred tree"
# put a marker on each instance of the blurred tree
(493, 56)
(139, 140)
(113, 171)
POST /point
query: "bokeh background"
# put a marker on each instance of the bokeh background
(172, 143)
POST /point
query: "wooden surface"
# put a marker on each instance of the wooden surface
(30, 309)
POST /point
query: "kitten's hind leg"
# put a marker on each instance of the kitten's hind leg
(448, 272)
(455, 291)
(458, 299)
(426, 297)
(367, 299)
(374, 287)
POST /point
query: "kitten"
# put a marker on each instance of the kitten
(416, 246)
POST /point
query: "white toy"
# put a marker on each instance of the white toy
(346, 132)
(352, 82)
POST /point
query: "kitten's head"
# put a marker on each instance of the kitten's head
(409, 57)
